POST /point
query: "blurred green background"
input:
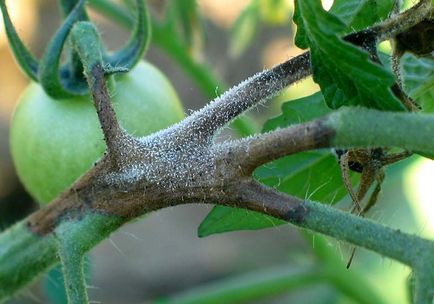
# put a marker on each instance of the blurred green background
(161, 255)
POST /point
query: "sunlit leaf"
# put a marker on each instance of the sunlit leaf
(359, 14)
(300, 39)
(344, 72)
(225, 219)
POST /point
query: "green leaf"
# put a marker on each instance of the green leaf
(300, 39)
(309, 175)
(357, 14)
(418, 75)
(346, 10)
(224, 219)
(312, 175)
(298, 111)
(371, 12)
(344, 72)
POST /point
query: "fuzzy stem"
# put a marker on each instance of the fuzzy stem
(71, 254)
(23, 254)
(408, 249)
(133, 52)
(361, 127)
(246, 95)
(254, 151)
(366, 233)
(346, 128)
(199, 72)
(73, 275)
(424, 287)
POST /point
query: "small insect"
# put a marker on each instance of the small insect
(370, 164)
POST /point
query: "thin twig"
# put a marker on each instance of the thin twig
(106, 114)
(87, 42)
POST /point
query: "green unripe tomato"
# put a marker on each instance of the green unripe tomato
(54, 142)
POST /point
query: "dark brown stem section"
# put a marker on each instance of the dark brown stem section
(257, 197)
(255, 151)
(106, 114)
(335, 223)
(236, 160)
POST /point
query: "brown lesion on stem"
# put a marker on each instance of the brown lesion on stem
(257, 197)
(224, 179)
(229, 183)
(258, 150)
(106, 114)
(71, 203)
(234, 162)
(104, 109)
(114, 136)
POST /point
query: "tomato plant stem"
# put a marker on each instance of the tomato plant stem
(86, 40)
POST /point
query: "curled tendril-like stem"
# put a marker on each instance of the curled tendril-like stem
(57, 81)
(136, 47)
(67, 7)
(27, 62)
(63, 81)
(75, 66)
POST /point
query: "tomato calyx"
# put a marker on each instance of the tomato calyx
(66, 80)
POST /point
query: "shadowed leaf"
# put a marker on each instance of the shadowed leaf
(312, 175)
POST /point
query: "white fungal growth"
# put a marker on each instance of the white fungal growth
(168, 163)
(184, 155)
(244, 96)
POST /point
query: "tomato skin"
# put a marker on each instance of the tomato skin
(53, 142)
